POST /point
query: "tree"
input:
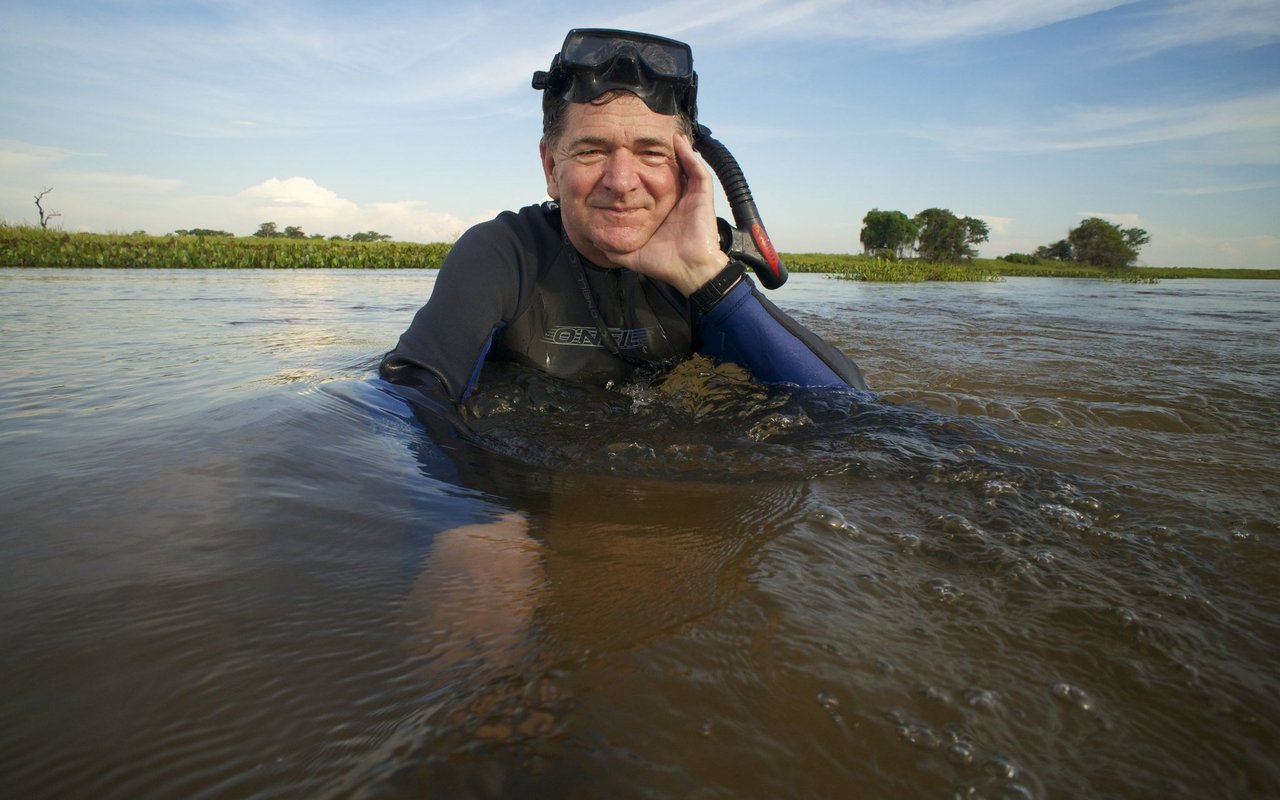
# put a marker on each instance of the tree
(294, 232)
(1058, 251)
(267, 230)
(889, 233)
(370, 236)
(45, 216)
(201, 232)
(1104, 244)
(944, 237)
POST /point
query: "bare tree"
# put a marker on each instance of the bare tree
(45, 216)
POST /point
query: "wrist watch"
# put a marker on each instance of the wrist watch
(714, 290)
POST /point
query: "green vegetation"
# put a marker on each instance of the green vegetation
(28, 246)
(1098, 243)
(873, 268)
(939, 236)
(22, 246)
(936, 234)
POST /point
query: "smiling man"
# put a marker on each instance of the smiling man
(620, 275)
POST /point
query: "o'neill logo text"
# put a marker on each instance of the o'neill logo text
(574, 336)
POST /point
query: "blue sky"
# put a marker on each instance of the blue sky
(417, 119)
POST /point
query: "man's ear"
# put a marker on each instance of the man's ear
(549, 170)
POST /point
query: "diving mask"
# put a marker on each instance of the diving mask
(593, 61)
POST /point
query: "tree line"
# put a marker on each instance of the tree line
(938, 235)
(269, 230)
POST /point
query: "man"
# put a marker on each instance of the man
(621, 275)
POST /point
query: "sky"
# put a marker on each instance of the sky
(418, 119)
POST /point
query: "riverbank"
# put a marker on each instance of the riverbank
(23, 246)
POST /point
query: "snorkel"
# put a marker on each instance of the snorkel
(659, 71)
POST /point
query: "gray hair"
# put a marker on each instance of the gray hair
(555, 114)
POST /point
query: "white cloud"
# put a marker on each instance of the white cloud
(998, 225)
(303, 202)
(299, 193)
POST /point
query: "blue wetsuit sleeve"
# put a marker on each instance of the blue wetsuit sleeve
(747, 329)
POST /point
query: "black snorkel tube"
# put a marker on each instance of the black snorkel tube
(660, 72)
(746, 240)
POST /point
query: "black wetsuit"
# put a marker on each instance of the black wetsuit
(514, 289)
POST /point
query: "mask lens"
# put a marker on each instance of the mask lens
(590, 49)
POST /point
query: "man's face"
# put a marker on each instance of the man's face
(615, 175)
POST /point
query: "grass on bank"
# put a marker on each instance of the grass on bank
(36, 247)
(27, 246)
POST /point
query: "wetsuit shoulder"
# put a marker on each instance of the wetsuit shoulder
(487, 278)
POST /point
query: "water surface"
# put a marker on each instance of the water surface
(1040, 562)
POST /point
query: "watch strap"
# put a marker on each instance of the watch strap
(713, 291)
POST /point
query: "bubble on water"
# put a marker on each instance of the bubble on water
(907, 541)
(705, 729)
(1044, 558)
(1073, 696)
(631, 451)
(982, 698)
(998, 486)
(1124, 616)
(1001, 767)
(776, 424)
(830, 704)
(1065, 516)
(942, 591)
(829, 517)
(958, 526)
(961, 754)
(920, 735)
(965, 450)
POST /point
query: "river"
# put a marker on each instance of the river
(1041, 561)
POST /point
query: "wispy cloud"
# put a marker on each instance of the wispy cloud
(16, 155)
(1165, 26)
(883, 22)
(114, 181)
(1251, 118)
(1223, 188)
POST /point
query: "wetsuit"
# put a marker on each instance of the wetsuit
(515, 289)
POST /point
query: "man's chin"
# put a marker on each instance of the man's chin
(616, 243)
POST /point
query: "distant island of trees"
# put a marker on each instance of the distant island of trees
(938, 235)
(269, 230)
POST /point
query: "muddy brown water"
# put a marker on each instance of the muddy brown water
(1041, 561)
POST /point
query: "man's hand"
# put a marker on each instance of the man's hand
(685, 250)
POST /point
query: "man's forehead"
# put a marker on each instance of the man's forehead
(624, 118)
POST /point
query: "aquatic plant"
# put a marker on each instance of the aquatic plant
(33, 247)
(29, 246)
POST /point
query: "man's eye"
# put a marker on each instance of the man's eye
(655, 158)
(588, 156)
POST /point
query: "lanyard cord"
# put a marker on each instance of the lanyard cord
(606, 337)
(647, 368)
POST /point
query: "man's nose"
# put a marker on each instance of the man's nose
(620, 174)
